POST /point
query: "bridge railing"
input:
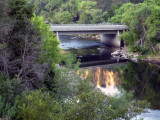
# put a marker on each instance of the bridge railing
(86, 24)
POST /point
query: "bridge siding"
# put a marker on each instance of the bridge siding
(89, 28)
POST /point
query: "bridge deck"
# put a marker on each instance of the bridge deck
(99, 27)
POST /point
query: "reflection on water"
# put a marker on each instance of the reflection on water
(141, 78)
(106, 80)
(85, 49)
(144, 80)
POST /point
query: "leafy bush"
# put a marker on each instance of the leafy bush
(89, 104)
(142, 20)
(36, 105)
(9, 88)
(7, 112)
(50, 50)
(123, 106)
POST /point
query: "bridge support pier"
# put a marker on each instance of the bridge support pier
(111, 39)
(57, 35)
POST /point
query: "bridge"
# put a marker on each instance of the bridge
(109, 32)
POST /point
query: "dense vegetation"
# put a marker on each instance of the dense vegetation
(143, 21)
(34, 85)
(77, 11)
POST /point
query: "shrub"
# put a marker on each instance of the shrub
(9, 88)
(7, 112)
(36, 105)
(91, 104)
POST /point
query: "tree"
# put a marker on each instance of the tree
(64, 17)
(89, 13)
(23, 44)
(37, 105)
(143, 32)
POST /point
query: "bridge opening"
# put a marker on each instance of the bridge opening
(109, 33)
(111, 39)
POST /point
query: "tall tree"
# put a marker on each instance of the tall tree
(21, 45)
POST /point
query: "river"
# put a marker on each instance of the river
(141, 78)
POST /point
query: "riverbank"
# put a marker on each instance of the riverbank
(89, 36)
(123, 53)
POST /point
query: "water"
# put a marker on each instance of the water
(144, 80)
(141, 78)
(150, 115)
(71, 42)
(86, 49)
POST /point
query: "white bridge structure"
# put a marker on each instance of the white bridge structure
(109, 32)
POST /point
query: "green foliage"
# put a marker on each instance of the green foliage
(50, 50)
(143, 21)
(63, 85)
(123, 106)
(90, 103)
(70, 11)
(4, 8)
(9, 88)
(28, 48)
(21, 11)
(31, 54)
(84, 18)
(117, 18)
(86, 105)
(75, 11)
(130, 38)
(7, 112)
(89, 13)
(69, 59)
(152, 24)
(110, 12)
(64, 17)
(86, 5)
(23, 45)
(38, 106)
